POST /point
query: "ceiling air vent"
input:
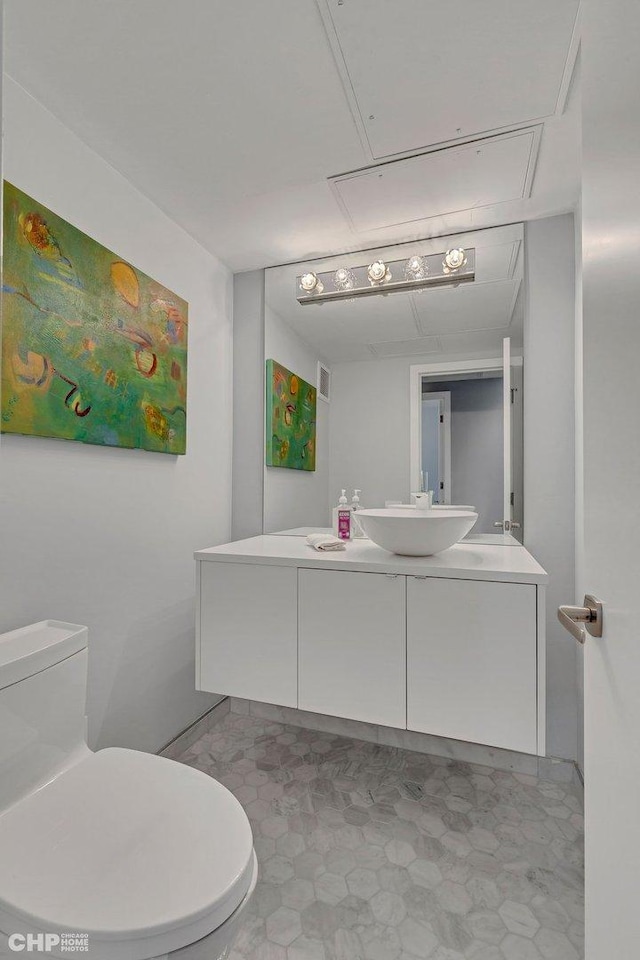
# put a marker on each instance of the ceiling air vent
(324, 382)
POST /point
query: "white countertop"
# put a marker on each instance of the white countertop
(464, 561)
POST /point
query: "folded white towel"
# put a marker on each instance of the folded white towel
(324, 541)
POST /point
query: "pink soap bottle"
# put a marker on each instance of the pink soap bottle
(342, 526)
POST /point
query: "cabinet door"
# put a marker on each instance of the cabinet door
(248, 631)
(471, 661)
(351, 640)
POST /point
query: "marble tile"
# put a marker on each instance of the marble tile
(547, 768)
(283, 926)
(458, 750)
(373, 851)
(417, 937)
(239, 706)
(519, 919)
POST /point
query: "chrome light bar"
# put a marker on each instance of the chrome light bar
(380, 277)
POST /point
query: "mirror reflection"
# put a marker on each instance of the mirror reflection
(420, 390)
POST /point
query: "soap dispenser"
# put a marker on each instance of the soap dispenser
(342, 518)
(355, 506)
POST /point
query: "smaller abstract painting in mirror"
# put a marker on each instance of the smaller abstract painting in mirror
(291, 420)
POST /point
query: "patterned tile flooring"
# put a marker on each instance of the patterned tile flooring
(369, 852)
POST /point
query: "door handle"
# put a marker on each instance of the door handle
(573, 618)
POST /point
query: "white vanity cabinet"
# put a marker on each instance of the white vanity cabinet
(451, 645)
(472, 661)
(247, 631)
(351, 645)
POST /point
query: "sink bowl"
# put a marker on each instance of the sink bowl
(416, 533)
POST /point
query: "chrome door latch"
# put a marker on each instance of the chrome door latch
(577, 619)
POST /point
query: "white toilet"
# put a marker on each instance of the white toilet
(127, 854)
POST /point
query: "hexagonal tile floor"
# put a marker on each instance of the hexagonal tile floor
(369, 852)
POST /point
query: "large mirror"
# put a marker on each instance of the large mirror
(421, 389)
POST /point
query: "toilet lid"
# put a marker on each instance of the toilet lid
(125, 845)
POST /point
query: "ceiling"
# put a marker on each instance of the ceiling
(240, 120)
(446, 321)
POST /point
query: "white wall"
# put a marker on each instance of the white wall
(370, 435)
(295, 498)
(549, 458)
(369, 438)
(105, 536)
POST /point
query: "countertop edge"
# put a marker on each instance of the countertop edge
(404, 568)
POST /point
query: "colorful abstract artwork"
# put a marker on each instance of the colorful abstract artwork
(291, 419)
(92, 349)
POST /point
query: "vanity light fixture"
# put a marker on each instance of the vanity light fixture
(417, 273)
(454, 260)
(344, 278)
(378, 272)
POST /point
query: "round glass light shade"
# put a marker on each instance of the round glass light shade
(344, 278)
(454, 259)
(378, 272)
(310, 283)
(416, 268)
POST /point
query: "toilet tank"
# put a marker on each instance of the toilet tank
(43, 675)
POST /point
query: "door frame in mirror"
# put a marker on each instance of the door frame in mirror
(442, 371)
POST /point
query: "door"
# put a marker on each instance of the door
(609, 556)
(352, 645)
(436, 445)
(248, 641)
(472, 661)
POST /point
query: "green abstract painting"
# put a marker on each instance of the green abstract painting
(92, 349)
(291, 419)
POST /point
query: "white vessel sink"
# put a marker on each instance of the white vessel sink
(416, 533)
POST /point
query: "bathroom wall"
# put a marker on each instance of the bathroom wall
(105, 536)
(476, 446)
(294, 498)
(549, 459)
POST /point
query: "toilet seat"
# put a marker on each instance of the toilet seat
(142, 854)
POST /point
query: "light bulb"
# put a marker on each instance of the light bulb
(453, 260)
(344, 278)
(378, 272)
(310, 283)
(416, 268)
